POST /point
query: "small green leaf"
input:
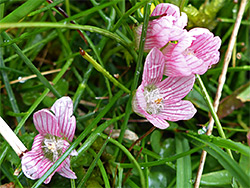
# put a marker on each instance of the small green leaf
(218, 178)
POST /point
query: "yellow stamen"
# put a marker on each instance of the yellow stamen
(158, 101)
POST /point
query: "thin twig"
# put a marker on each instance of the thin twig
(222, 80)
(23, 79)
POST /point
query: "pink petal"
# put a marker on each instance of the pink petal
(197, 66)
(177, 66)
(157, 121)
(66, 171)
(138, 102)
(34, 165)
(37, 144)
(153, 67)
(46, 123)
(174, 89)
(63, 109)
(205, 47)
(182, 110)
(166, 9)
(158, 33)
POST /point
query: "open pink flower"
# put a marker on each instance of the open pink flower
(194, 53)
(160, 100)
(56, 127)
(163, 29)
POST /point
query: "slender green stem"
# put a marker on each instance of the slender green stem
(102, 169)
(159, 161)
(32, 67)
(130, 157)
(99, 68)
(213, 113)
(137, 72)
(93, 164)
(69, 26)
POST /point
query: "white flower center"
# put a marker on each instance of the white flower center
(153, 99)
(52, 147)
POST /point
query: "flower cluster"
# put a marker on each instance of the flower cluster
(186, 52)
(178, 54)
(56, 127)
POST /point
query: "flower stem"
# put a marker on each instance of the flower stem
(213, 113)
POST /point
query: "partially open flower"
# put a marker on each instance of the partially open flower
(56, 127)
(163, 29)
(194, 53)
(160, 100)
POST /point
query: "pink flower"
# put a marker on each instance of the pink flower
(160, 100)
(56, 127)
(194, 53)
(160, 31)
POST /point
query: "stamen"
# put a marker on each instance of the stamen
(52, 147)
(153, 98)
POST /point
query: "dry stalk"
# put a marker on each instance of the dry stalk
(11, 138)
(222, 80)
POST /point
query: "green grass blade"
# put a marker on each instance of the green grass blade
(32, 67)
(184, 167)
(224, 159)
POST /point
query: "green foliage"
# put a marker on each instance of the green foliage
(35, 39)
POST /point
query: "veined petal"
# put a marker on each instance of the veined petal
(46, 123)
(34, 165)
(176, 66)
(198, 66)
(157, 121)
(182, 110)
(37, 144)
(166, 9)
(173, 89)
(158, 33)
(138, 102)
(153, 67)
(205, 47)
(66, 171)
(63, 109)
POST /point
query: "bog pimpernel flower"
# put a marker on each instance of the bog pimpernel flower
(160, 100)
(167, 27)
(56, 127)
(194, 53)
(187, 52)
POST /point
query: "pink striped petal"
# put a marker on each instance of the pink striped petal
(158, 33)
(153, 67)
(66, 171)
(37, 144)
(157, 121)
(182, 110)
(205, 47)
(46, 123)
(138, 102)
(197, 66)
(63, 109)
(177, 66)
(34, 165)
(166, 9)
(173, 89)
